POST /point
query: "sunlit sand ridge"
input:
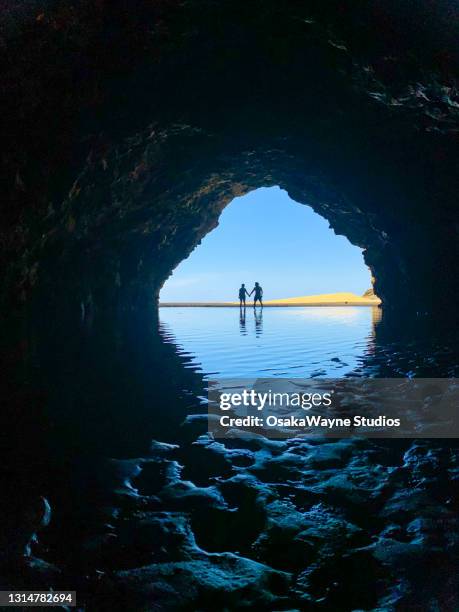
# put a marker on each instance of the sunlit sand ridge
(327, 299)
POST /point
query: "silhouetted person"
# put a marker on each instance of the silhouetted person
(258, 294)
(242, 293)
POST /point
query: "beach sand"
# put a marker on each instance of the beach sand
(324, 299)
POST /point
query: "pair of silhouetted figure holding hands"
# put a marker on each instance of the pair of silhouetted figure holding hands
(258, 294)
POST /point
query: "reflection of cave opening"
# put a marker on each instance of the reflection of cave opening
(266, 236)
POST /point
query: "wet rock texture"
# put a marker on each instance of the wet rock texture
(269, 525)
(129, 126)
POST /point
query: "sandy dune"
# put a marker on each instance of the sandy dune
(326, 299)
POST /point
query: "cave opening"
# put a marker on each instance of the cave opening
(266, 235)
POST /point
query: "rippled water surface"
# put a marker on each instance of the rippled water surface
(290, 341)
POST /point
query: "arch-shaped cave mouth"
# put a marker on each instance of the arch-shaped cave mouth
(267, 236)
(137, 209)
(99, 257)
(96, 261)
(113, 192)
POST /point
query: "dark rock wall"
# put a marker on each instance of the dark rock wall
(128, 126)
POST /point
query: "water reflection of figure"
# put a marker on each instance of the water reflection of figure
(258, 291)
(242, 326)
(258, 323)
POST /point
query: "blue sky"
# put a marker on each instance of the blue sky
(265, 236)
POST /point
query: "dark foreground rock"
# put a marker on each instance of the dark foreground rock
(297, 524)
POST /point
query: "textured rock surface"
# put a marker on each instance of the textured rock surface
(129, 126)
(316, 525)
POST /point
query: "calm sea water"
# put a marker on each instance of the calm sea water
(290, 341)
